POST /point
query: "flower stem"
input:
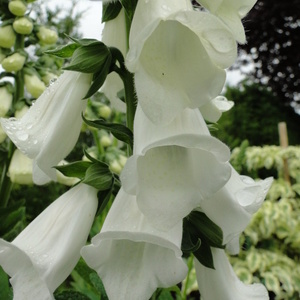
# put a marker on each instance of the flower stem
(190, 267)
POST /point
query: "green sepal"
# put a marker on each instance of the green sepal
(64, 51)
(89, 58)
(83, 42)
(74, 295)
(204, 255)
(5, 291)
(103, 198)
(110, 11)
(12, 220)
(206, 229)
(119, 131)
(129, 6)
(99, 78)
(98, 176)
(189, 244)
(98, 284)
(75, 169)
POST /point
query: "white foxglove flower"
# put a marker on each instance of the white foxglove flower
(230, 12)
(131, 257)
(178, 56)
(212, 111)
(41, 257)
(174, 167)
(49, 130)
(222, 282)
(232, 207)
(114, 35)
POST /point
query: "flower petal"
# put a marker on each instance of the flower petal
(49, 246)
(222, 283)
(132, 255)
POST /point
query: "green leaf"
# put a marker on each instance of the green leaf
(119, 131)
(206, 229)
(165, 295)
(129, 6)
(110, 11)
(103, 198)
(89, 58)
(204, 255)
(71, 295)
(64, 51)
(75, 169)
(188, 244)
(99, 176)
(97, 282)
(99, 78)
(5, 290)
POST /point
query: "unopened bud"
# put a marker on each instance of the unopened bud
(104, 111)
(47, 36)
(48, 77)
(23, 25)
(13, 63)
(20, 169)
(5, 101)
(21, 112)
(34, 85)
(122, 160)
(105, 141)
(17, 8)
(115, 167)
(7, 36)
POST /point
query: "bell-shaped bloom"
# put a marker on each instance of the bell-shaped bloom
(230, 12)
(232, 207)
(222, 282)
(114, 35)
(174, 167)
(131, 257)
(212, 111)
(178, 56)
(42, 256)
(49, 130)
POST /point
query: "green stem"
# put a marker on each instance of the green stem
(190, 267)
(97, 142)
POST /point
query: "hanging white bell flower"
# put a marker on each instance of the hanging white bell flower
(20, 169)
(174, 167)
(222, 282)
(212, 111)
(230, 12)
(131, 257)
(232, 207)
(42, 256)
(178, 56)
(49, 130)
(114, 35)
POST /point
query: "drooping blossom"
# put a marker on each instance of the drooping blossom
(49, 130)
(132, 257)
(41, 257)
(178, 56)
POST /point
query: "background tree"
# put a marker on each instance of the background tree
(273, 45)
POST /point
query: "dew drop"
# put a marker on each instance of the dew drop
(22, 136)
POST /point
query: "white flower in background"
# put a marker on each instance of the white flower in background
(212, 111)
(174, 167)
(232, 207)
(114, 35)
(6, 99)
(49, 130)
(131, 257)
(178, 56)
(222, 282)
(230, 12)
(42, 256)
(34, 85)
(20, 169)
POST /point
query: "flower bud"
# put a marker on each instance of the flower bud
(34, 85)
(17, 8)
(5, 101)
(21, 112)
(13, 63)
(47, 36)
(7, 36)
(122, 160)
(20, 169)
(23, 25)
(104, 111)
(48, 77)
(115, 167)
(105, 141)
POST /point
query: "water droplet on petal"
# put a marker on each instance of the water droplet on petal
(22, 136)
